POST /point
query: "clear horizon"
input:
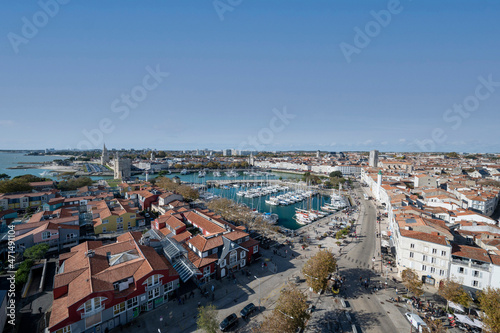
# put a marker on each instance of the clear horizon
(397, 76)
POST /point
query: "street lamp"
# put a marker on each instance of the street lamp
(285, 314)
(259, 288)
(312, 277)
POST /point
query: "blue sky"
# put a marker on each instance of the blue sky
(225, 77)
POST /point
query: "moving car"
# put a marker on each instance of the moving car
(248, 310)
(228, 322)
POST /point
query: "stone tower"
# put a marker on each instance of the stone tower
(122, 167)
(104, 156)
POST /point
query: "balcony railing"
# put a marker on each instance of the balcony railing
(91, 313)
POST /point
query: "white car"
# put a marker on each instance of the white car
(416, 322)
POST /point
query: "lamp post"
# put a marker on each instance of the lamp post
(285, 314)
(259, 288)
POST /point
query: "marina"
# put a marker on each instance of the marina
(293, 205)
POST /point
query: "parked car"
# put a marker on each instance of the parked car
(416, 321)
(228, 322)
(248, 310)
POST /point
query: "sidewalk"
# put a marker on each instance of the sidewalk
(175, 317)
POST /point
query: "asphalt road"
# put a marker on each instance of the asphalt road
(366, 308)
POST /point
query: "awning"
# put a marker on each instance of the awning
(384, 243)
(455, 306)
(478, 323)
(464, 319)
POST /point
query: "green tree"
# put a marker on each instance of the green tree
(454, 292)
(23, 271)
(162, 173)
(189, 193)
(14, 185)
(335, 174)
(167, 184)
(207, 319)
(412, 282)
(30, 178)
(318, 268)
(4, 176)
(289, 314)
(36, 252)
(74, 183)
(489, 300)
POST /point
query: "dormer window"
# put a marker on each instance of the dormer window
(153, 280)
(93, 305)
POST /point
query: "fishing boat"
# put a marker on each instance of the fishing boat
(271, 218)
(302, 218)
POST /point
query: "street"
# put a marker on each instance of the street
(368, 312)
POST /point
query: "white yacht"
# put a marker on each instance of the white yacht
(273, 201)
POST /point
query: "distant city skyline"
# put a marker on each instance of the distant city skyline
(284, 75)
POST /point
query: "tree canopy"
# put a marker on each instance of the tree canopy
(168, 184)
(454, 292)
(207, 319)
(289, 314)
(74, 183)
(231, 211)
(489, 300)
(36, 252)
(336, 174)
(318, 268)
(311, 179)
(412, 282)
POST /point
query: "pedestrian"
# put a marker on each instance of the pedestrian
(213, 288)
(396, 291)
(199, 304)
(40, 309)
